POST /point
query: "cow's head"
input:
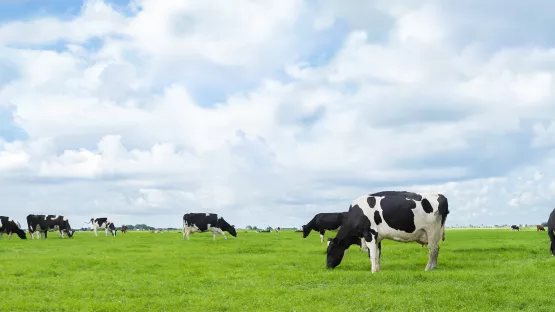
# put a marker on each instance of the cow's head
(335, 253)
(21, 234)
(67, 228)
(306, 231)
(224, 226)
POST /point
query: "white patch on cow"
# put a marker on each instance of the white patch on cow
(207, 214)
(428, 228)
(65, 218)
(363, 246)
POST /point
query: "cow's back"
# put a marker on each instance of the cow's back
(396, 214)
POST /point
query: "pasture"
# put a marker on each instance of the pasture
(478, 270)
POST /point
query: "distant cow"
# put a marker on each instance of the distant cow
(551, 231)
(124, 228)
(324, 221)
(102, 223)
(399, 216)
(10, 226)
(515, 228)
(278, 229)
(41, 224)
(540, 228)
(204, 222)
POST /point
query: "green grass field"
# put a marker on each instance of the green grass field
(478, 270)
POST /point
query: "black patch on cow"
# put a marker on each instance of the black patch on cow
(551, 231)
(409, 195)
(371, 201)
(443, 207)
(397, 212)
(427, 206)
(377, 217)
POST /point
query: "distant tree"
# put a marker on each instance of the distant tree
(248, 227)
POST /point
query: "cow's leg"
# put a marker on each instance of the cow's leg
(322, 236)
(221, 232)
(214, 235)
(379, 252)
(373, 254)
(10, 235)
(62, 234)
(363, 246)
(433, 245)
(551, 233)
(371, 240)
(106, 231)
(94, 229)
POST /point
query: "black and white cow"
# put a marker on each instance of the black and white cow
(103, 223)
(515, 228)
(324, 221)
(394, 215)
(204, 222)
(551, 231)
(40, 224)
(10, 226)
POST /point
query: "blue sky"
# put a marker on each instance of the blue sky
(270, 112)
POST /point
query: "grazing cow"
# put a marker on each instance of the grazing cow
(278, 229)
(11, 226)
(124, 228)
(551, 231)
(204, 222)
(540, 228)
(394, 215)
(40, 224)
(102, 223)
(515, 228)
(324, 221)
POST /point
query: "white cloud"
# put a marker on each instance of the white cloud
(129, 127)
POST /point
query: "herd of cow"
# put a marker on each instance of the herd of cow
(394, 215)
(39, 225)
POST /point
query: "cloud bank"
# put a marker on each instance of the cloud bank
(268, 112)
